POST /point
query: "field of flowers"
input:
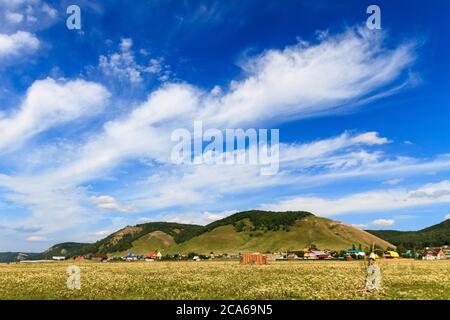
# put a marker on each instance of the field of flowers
(225, 280)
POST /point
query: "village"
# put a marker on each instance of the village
(313, 253)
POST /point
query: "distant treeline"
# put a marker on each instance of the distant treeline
(260, 220)
(437, 235)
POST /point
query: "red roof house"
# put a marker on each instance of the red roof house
(154, 255)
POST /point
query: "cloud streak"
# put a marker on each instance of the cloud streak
(49, 103)
(371, 201)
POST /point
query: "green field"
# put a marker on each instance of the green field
(225, 280)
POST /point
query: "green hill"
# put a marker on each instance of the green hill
(67, 249)
(244, 236)
(436, 235)
(151, 236)
(260, 231)
(125, 238)
(14, 256)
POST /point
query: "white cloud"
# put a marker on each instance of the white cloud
(109, 203)
(30, 14)
(370, 201)
(123, 64)
(371, 138)
(35, 238)
(177, 105)
(208, 183)
(447, 217)
(302, 81)
(51, 12)
(102, 233)
(218, 216)
(322, 149)
(383, 222)
(49, 103)
(13, 17)
(393, 182)
(17, 43)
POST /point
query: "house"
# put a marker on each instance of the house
(154, 255)
(355, 254)
(79, 258)
(434, 254)
(391, 255)
(59, 258)
(309, 255)
(446, 250)
(321, 254)
(130, 257)
(100, 257)
(412, 254)
(316, 254)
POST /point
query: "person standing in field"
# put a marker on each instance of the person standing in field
(373, 278)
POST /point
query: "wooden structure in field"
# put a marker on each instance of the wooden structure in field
(253, 258)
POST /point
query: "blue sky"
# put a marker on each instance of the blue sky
(86, 115)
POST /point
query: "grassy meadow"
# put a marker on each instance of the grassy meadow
(225, 280)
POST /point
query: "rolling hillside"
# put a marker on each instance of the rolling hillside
(67, 249)
(258, 231)
(151, 236)
(14, 256)
(436, 235)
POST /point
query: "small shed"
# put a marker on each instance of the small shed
(253, 258)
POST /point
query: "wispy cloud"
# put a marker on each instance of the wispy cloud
(219, 215)
(370, 201)
(49, 103)
(35, 238)
(124, 66)
(26, 14)
(383, 222)
(109, 203)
